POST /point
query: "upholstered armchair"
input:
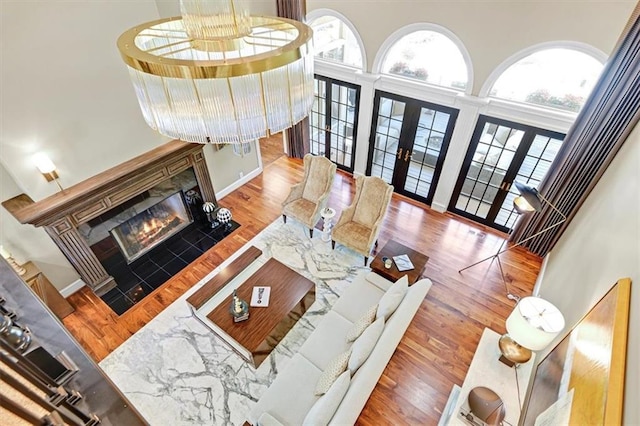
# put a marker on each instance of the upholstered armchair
(308, 198)
(360, 223)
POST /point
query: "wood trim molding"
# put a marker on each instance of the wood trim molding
(105, 190)
(62, 213)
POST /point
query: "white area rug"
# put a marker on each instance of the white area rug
(176, 372)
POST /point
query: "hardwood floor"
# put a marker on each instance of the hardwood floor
(271, 149)
(438, 346)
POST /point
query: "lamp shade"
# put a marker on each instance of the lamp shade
(528, 201)
(534, 323)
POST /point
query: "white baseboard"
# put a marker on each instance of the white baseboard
(237, 184)
(441, 208)
(72, 288)
(540, 279)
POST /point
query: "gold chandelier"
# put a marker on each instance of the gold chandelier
(218, 75)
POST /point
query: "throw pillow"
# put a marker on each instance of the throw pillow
(335, 368)
(391, 298)
(362, 323)
(322, 411)
(363, 347)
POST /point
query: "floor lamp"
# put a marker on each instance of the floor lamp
(530, 200)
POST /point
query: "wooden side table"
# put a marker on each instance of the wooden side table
(46, 291)
(394, 248)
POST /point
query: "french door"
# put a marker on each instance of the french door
(500, 153)
(334, 121)
(409, 141)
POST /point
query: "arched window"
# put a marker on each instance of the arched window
(335, 38)
(431, 54)
(559, 77)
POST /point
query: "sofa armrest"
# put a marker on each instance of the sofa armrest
(267, 419)
(346, 215)
(295, 194)
(366, 378)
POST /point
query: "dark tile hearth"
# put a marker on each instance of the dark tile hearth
(141, 277)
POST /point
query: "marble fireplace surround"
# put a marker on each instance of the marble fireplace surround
(62, 213)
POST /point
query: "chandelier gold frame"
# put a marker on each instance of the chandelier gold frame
(145, 61)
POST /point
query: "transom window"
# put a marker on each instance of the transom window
(333, 40)
(557, 78)
(427, 56)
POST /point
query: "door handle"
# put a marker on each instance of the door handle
(407, 154)
(399, 153)
(327, 128)
(505, 186)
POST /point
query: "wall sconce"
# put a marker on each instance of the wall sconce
(7, 256)
(531, 326)
(47, 168)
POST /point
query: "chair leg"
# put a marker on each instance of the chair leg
(310, 232)
(366, 259)
(284, 217)
(333, 245)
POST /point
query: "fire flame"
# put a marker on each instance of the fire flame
(152, 225)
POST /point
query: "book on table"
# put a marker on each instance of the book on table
(260, 296)
(403, 263)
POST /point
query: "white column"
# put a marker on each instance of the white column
(469, 107)
(365, 114)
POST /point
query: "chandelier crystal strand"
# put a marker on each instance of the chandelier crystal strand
(219, 75)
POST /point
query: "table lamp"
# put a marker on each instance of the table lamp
(531, 326)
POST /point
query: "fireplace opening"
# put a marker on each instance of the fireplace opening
(147, 229)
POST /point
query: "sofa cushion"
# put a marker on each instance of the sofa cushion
(364, 345)
(379, 281)
(356, 234)
(327, 341)
(392, 298)
(316, 184)
(267, 419)
(362, 323)
(370, 203)
(322, 411)
(300, 208)
(291, 395)
(357, 298)
(332, 372)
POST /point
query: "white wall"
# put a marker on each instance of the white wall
(66, 92)
(26, 242)
(601, 245)
(492, 31)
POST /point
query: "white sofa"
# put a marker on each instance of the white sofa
(292, 394)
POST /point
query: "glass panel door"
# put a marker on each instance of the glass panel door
(425, 159)
(409, 142)
(533, 169)
(386, 138)
(334, 120)
(318, 118)
(501, 152)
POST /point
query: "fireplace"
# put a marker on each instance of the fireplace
(150, 227)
